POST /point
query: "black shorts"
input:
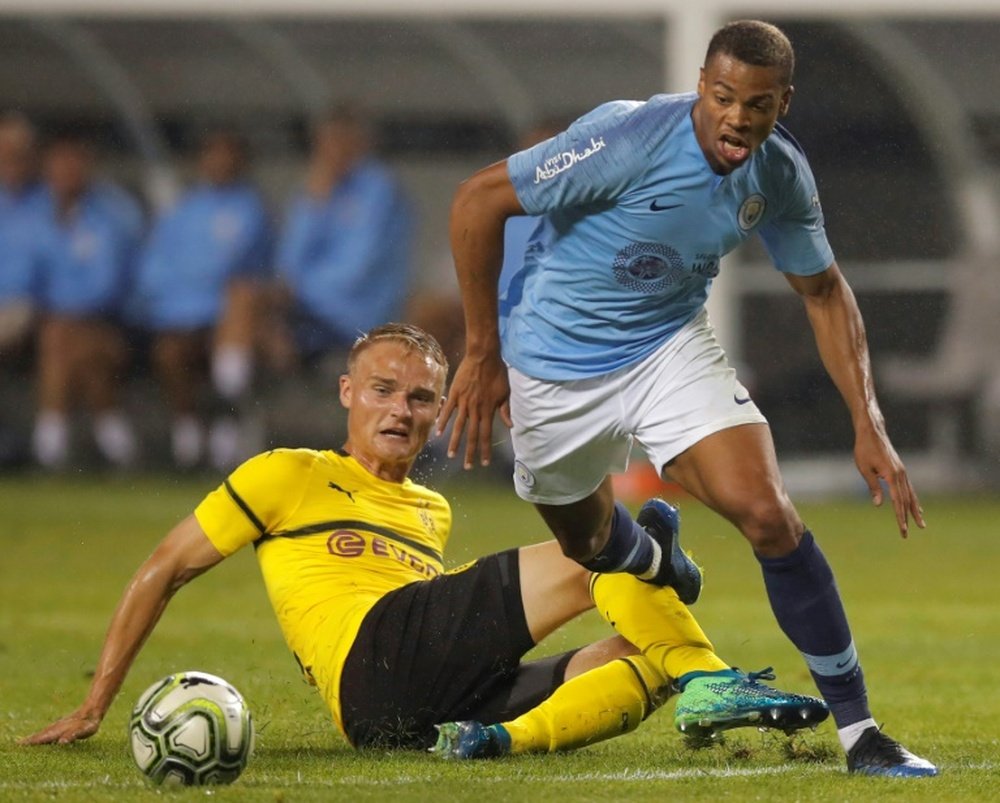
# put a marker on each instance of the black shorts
(443, 650)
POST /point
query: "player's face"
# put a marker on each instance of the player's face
(738, 105)
(220, 161)
(17, 156)
(393, 396)
(68, 169)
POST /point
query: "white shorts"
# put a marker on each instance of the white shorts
(568, 436)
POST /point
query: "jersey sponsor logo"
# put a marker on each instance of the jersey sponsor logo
(706, 265)
(349, 544)
(655, 207)
(751, 211)
(738, 400)
(649, 267)
(561, 162)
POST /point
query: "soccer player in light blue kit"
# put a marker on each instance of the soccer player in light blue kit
(84, 249)
(199, 282)
(345, 250)
(21, 202)
(610, 346)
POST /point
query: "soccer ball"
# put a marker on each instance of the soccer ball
(191, 729)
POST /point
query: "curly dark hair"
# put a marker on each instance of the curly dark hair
(754, 42)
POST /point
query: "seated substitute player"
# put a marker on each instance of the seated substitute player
(199, 282)
(351, 553)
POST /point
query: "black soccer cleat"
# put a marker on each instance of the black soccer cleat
(663, 522)
(877, 754)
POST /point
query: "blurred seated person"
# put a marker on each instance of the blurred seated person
(199, 283)
(21, 199)
(83, 255)
(344, 254)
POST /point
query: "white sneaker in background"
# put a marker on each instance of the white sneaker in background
(187, 441)
(115, 438)
(225, 444)
(50, 440)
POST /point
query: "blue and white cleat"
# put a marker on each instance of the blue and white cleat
(877, 754)
(663, 522)
(711, 702)
(471, 739)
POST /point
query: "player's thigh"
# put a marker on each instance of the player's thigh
(553, 588)
(735, 472)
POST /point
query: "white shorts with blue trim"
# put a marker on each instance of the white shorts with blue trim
(569, 435)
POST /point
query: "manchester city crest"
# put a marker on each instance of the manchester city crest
(751, 211)
(523, 474)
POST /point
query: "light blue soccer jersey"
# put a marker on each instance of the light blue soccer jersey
(19, 216)
(85, 262)
(211, 236)
(347, 258)
(634, 225)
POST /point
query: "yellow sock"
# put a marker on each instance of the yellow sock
(656, 622)
(596, 705)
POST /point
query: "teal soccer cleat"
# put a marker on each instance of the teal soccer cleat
(663, 522)
(715, 701)
(470, 739)
(877, 754)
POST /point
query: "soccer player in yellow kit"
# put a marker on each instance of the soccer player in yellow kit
(351, 553)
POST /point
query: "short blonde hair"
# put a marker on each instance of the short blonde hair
(413, 337)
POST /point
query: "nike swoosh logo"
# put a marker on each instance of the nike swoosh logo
(739, 400)
(655, 207)
(842, 664)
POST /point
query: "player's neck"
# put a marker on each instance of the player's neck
(390, 471)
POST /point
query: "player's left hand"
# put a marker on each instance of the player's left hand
(78, 725)
(878, 463)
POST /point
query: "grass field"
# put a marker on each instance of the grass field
(924, 612)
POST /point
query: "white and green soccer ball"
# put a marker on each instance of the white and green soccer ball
(191, 729)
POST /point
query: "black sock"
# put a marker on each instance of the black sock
(629, 547)
(807, 605)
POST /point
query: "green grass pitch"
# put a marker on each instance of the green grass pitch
(924, 613)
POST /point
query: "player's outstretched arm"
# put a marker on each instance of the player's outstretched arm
(185, 553)
(840, 335)
(479, 211)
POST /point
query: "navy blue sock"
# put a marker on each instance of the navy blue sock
(629, 547)
(807, 605)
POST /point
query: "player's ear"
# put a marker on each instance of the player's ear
(786, 101)
(345, 390)
(701, 82)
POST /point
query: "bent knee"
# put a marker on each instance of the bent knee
(772, 526)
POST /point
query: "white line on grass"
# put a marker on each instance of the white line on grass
(583, 777)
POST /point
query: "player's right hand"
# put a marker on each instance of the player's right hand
(479, 389)
(70, 728)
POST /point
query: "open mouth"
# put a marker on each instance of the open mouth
(733, 149)
(395, 433)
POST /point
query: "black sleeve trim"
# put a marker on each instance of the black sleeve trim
(245, 508)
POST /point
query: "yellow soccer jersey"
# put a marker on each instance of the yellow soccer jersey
(331, 539)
